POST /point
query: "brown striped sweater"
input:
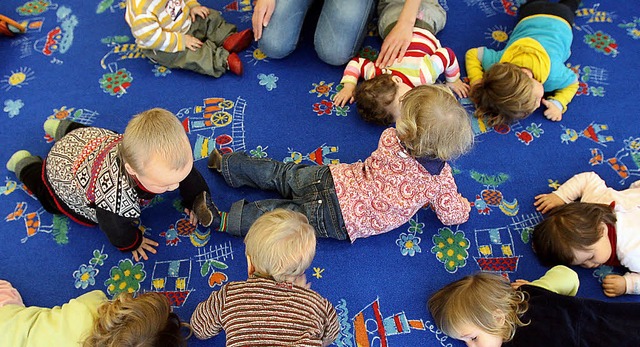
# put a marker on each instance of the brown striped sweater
(262, 312)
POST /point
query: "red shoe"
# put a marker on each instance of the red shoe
(235, 64)
(238, 42)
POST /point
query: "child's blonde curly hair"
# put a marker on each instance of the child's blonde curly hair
(143, 321)
(475, 300)
(434, 124)
(281, 244)
(504, 95)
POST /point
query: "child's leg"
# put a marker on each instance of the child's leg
(564, 9)
(29, 171)
(9, 295)
(58, 128)
(431, 16)
(239, 169)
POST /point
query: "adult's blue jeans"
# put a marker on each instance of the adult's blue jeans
(339, 33)
(304, 188)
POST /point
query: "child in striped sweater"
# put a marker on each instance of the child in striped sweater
(377, 98)
(274, 306)
(183, 34)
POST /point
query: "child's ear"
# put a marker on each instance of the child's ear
(129, 169)
(500, 317)
(396, 79)
(250, 268)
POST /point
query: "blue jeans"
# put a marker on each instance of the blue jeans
(304, 188)
(339, 33)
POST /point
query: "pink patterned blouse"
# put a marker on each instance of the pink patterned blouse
(387, 189)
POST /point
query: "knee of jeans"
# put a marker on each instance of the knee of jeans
(276, 49)
(333, 56)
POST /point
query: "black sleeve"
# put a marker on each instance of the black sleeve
(122, 232)
(191, 186)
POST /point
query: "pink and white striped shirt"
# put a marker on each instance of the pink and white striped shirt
(423, 62)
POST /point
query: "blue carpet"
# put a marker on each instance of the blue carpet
(78, 61)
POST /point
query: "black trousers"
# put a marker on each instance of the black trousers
(565, 9)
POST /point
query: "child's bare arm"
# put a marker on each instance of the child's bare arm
(546, 202)
(346, 94)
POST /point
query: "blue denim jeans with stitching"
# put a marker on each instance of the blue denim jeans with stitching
(307, 189)
(340, 31)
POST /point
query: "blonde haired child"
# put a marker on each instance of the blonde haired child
(274, 306)
(484, 310)
(90, 320)
(186, 35)
(590, 224)
(97, 177)
(350, 201)
(509, 85)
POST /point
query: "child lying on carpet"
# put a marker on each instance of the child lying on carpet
(95, 176)
(377, 98)
(349, 201)
(186, 35)
(483, 310)
(601, 229)
(90, 320)
(275, 305)
(533, 63)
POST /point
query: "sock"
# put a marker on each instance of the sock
(223, 222)
(15, 158)
(51, 126)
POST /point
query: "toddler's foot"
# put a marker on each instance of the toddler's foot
(15, 159)
(235, 64)
(206, 210)
(238, 42)
(51, 127)
(9, 27)
(215, 160)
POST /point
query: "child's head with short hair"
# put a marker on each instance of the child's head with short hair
(155, 150)
(482, 308)
(574, 234)
(377, 99)
(434, 124)
(507, 93)
(143, 321)
(280, 244)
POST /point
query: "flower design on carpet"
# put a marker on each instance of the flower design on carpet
(268, 81)
(451, 249)
(85, 276)
(322, 89)
(126, 277)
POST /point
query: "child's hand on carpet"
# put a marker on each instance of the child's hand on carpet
(545, 202)
(345, 95)
(147, 245)
(460, 88)
(553, 113)
(614, 285)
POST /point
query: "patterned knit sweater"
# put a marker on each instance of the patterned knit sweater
(387, 189)
(90, 186)
(160, 24)
(262, 312)
(423, 62)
